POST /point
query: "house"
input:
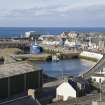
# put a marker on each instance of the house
(98, 102)
(49, 40)
(97, 77)
(72, 35)
(64, 91)
(73, 88)
(32, 35)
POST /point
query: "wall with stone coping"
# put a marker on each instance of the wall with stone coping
(91, 55)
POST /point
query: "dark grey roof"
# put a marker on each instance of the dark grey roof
(8, 70)
(85, 100)
(98, 75)
(27, 100)
(80, 80)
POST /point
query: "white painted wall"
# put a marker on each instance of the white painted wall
(68, 43)
(51, 43)
(65, 90)
(97, 79)
(91, 55)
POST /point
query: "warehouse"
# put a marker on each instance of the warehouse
(17, 78)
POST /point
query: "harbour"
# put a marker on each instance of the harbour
(71, 67)
(52, 52)
(49, 65)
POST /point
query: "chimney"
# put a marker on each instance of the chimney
(31, 92)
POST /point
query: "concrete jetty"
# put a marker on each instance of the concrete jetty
(64, 52)
(31, 57)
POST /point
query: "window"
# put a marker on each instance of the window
(94, 79)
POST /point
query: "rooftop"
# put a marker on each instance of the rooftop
(98, 75)
(9, 70)
(27, 100)
(85, 100)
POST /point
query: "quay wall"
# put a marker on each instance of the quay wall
(91, 55)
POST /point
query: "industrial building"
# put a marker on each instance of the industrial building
(17, 78)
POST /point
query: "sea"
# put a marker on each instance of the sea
(6, 32)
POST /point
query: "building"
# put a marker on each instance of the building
(72, 88)
(64, 91)
(98, 78)
(72, 35)
(26, 100)
(85, 100)
(17, 78)
(70, 39)
(98, 103)
(32, 35)
(50, 40)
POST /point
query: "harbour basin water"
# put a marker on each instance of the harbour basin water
(71, 67)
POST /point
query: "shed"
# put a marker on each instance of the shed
(17, 78)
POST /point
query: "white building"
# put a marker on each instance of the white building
(70, 44)
(98, 78)
(45, 42)
(64, 91)
(72, 35)
(49, 40)
(28, 34)
(46, 37)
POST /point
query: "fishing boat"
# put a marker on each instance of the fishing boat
(55, 58)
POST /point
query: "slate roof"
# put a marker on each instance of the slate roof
(12, 69)
(85, 100)
(27, 100)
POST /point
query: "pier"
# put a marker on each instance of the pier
(31, 57)
(63, 52)
(12, 43)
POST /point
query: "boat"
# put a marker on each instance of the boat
(55, 58)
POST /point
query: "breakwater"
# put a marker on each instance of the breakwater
(32, 57)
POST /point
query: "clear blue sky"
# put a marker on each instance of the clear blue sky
(52, 13)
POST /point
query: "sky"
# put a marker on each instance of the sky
(52, 13)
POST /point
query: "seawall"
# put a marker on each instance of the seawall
(91, 56)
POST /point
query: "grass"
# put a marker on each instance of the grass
(9, 51)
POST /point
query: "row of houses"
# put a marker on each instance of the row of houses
(72, 88)
(99, 77)
(73, 39)
(87, 41)
(64, 39)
